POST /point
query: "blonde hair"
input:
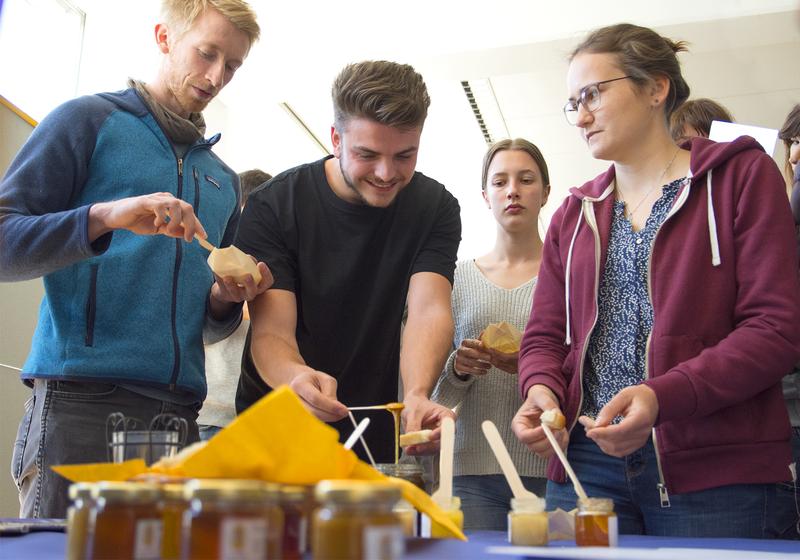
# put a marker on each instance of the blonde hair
(515, 144)
(180, 15)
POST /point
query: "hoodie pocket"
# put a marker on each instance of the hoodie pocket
(91, 306)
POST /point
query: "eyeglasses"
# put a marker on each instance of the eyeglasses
(589, 97)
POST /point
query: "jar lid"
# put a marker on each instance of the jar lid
(595, 505)
(227, 490)
(400, 470)
(355, 491)
(531, 504)
(294, 493)
(80, 490)
(126, 492)
(173, 491)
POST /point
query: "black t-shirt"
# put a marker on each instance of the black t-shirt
(349, 267)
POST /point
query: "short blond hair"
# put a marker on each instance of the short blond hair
(181, 14)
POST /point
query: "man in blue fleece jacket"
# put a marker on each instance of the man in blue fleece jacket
(125, 311)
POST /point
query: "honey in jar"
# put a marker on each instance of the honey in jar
(413, 473)
(125, 521)
(173, 506)
(232, 519)
(596, 522)
(431, 528)
(297, 503)
(527, 522)
(80, 495)
(356, 521)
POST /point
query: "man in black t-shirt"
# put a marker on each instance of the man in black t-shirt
(351, 239)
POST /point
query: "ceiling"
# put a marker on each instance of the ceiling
(743, 53)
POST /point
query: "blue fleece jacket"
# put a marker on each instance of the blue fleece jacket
(127, 308)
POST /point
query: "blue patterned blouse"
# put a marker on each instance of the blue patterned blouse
(616, 355)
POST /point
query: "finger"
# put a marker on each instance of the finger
(323, 406)
(586, 422)
(430, 448)
(267, 280)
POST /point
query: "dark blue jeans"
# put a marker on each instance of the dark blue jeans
(65, 422)
(486, 499)
(739, 510)
(789, 496)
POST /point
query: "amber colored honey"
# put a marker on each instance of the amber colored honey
(115, 531)
(591, 529)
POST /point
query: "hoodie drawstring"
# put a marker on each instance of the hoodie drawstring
(712, 225)
(568, 339)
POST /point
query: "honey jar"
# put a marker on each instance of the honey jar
(125, 521)
(527, 522)
(596, 522)
(355, 521)
(298, 504)
(173, 506)
(413, 473)
(434, 530)
(232, 519)
(80, 495)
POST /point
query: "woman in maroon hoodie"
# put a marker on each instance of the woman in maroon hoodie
(667, 309)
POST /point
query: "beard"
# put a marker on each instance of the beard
(351, 184)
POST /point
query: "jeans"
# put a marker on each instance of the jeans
(486, 499)
(208, 431)
(65, 422)
(738, 510)
(789, 496)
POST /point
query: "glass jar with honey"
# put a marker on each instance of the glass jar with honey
(125, 521)
(355, 520)
(527, 522)
(413, 473)
(298, 504)
(232, 519)
(596, 522)
(173, 506)
(434, 530)
(80, 495)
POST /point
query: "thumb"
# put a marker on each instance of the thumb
(611, 410)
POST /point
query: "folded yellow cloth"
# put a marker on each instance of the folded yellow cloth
(276, 440)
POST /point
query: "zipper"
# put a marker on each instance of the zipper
(91, 307)
(593, 226)
(176, 347)
(196, 204)
(663, 493)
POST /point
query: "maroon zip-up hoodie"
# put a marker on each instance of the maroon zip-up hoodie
(726, 304)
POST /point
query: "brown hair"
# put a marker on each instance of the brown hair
(385, 92)
(642, 54)
(697, 113)
(515, 144)
(181, 14)
(250, 179)
(789, 130)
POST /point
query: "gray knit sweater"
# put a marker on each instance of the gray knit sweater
(494, 396)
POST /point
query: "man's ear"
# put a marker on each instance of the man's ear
(336, 142)
(162, 37)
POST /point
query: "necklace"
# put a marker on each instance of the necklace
(657, 184)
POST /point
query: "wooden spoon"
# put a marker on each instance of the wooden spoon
(506, 464)
(444, 494)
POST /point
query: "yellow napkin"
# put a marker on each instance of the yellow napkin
(276, 440)
(502, 337)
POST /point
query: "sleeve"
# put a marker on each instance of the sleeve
(261, 234)
(40, 230)
(542, 349)
(765, 342)
(795, 198)
(450, 389)
(441, 247)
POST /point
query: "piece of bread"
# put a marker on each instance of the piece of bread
(413, 438)
(553, 419)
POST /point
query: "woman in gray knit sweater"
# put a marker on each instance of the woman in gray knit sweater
(495, 287)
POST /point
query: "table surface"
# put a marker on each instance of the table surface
(46, 545)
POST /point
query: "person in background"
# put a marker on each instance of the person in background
(124, 311)
(351, 238)
(790, 134)
(224, 358)
(667, 310)
(495, 287)
(694, 118)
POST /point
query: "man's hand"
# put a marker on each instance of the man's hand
(157, 213)
(504, 362)
(472, 358)
(226, 289)
(638, 405)
(526, 424)
(317, 390)
(422, 413)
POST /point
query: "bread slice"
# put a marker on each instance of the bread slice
(413, 438)
(553, 419)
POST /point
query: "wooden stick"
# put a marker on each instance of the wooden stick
(363, 441)
(204, 244)
(557, 448)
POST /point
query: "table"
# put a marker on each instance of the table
(48, 545)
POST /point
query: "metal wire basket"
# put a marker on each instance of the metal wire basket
(130, 438)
